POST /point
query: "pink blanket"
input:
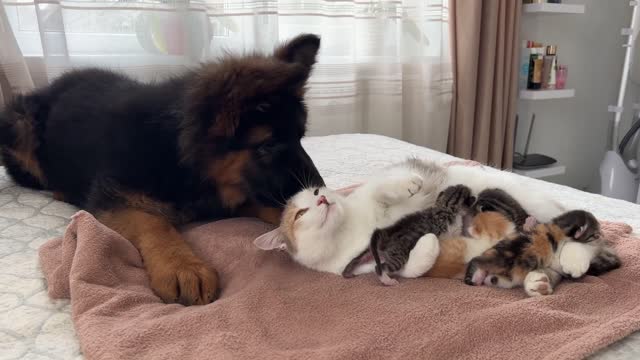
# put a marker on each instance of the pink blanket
(271, 308)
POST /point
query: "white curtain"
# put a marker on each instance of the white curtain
(384, 66)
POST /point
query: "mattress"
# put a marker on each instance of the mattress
(34, 327)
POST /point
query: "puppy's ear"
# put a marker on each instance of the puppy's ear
(301, 50)
(273, 240)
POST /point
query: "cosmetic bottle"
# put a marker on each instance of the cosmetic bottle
(525, 58)
(533, 55)
(549, 69)
(535, 70)
(561, 76)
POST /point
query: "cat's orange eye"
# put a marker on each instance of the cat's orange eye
(300, 213)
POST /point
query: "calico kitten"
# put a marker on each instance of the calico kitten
(537, 260)
(391, 247)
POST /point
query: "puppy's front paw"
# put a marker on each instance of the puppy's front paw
(575, 259)
(537, 284)
(182, 278)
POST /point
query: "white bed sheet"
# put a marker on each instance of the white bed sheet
(34, 327)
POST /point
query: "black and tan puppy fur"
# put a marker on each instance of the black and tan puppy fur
(221, 140)
(535, 258)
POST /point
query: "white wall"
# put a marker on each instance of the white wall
(575, 130)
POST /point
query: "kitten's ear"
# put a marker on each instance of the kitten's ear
(530, 223)
(273, 240)
(581, 230)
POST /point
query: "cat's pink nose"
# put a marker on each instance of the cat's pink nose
(322, 200)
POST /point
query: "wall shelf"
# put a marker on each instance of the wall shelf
(553, 170)
(554, 8)
(547, 94)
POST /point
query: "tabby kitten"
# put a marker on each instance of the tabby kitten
(570, 245)
(391, 246)
(497, 200)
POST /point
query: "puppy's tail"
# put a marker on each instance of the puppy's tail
(19, 120)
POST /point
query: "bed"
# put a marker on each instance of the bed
(34, 327)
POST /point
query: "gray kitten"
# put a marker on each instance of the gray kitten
(498, 200)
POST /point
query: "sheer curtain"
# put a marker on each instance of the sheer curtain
(384, 66)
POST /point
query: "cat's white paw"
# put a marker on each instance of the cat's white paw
(401, 187)
(415, 184)
(410, 185)
(575, 259)
(537, 284)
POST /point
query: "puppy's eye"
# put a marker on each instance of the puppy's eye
(300, 213)
(266, 149)
(263, 107)
(316, 192)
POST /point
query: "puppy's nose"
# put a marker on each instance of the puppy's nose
(322, 200)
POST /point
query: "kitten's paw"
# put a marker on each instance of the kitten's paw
(537, 284)
(455, 197)
(575, 259)
(388, 280)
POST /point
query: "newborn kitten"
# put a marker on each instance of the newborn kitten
(499, 201)
(590, 252)
(539, 259)
(391, 247)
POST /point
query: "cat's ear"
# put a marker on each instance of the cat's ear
(581, 230)
(273, 240)
(345, 191)
(530, 223)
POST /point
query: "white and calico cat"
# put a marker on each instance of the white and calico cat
(325, 230)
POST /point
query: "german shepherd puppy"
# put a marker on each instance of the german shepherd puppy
(221, 140)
